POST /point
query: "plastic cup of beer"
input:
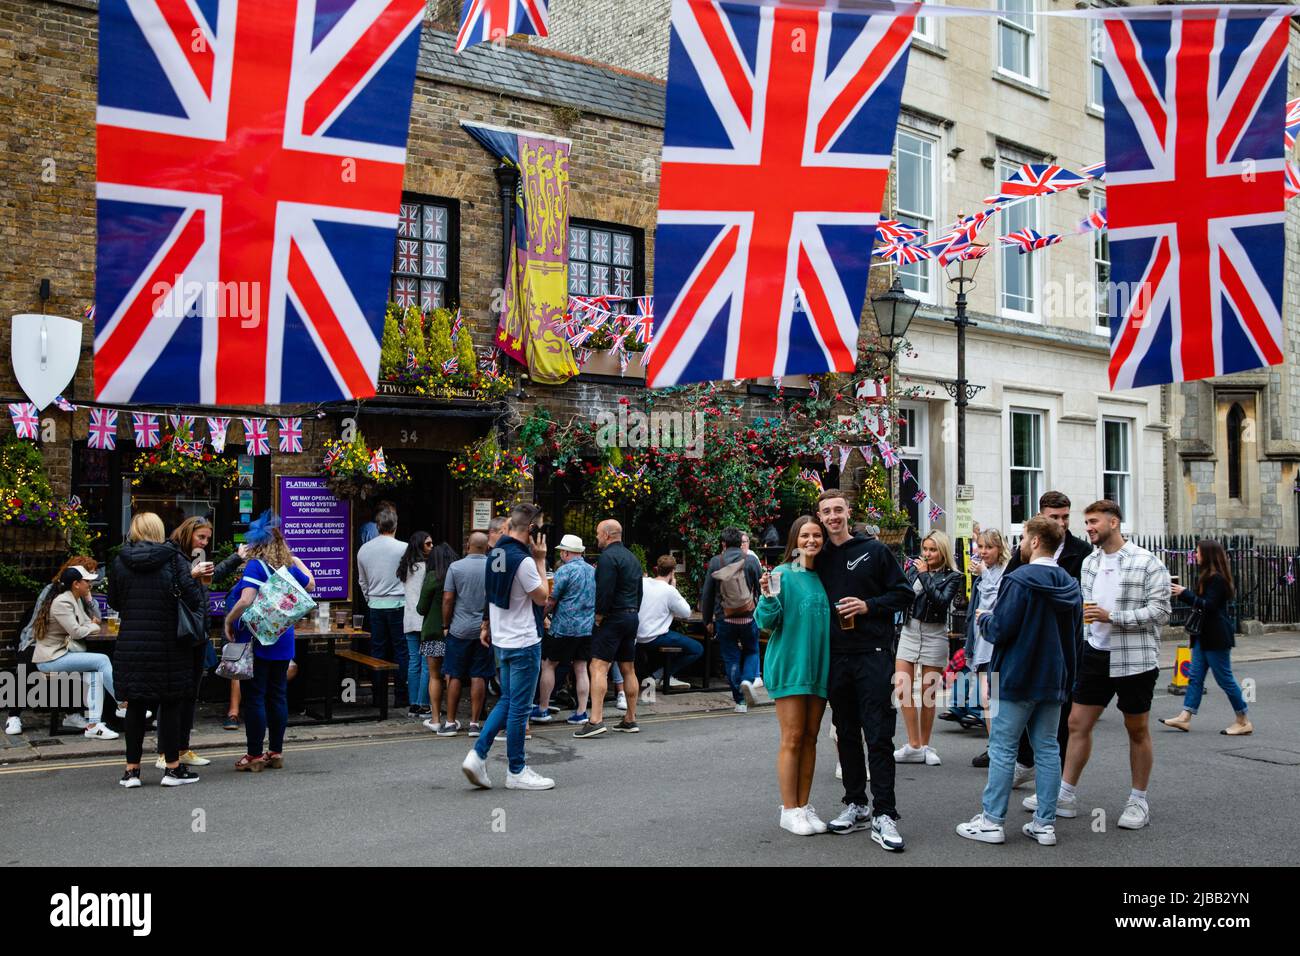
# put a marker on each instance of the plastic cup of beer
(358, 621)
(774, 582)
(846, 619)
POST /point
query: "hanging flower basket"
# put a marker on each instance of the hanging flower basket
(352, 471)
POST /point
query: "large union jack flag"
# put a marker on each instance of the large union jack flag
(250, 163)
(777, 142)
(485, 21)
(1194, 168)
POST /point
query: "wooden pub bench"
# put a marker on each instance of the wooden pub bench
(379, 670)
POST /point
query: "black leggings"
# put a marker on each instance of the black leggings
(189, 706)
(168, 713)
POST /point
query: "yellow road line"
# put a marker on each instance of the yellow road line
(41, 766)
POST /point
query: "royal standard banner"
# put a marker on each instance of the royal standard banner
(531, 329)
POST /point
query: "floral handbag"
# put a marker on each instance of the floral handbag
(281, 602)
(236, 661)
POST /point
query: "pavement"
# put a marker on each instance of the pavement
(690, 788)
(36, 744)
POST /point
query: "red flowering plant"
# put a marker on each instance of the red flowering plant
(485, 467)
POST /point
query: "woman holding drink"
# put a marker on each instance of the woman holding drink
(794, 608)
(924, 644)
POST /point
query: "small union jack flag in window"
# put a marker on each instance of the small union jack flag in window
(408, 256)
(408, 221)
(405, 292)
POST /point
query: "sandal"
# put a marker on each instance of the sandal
(273, 760)
(251, 764)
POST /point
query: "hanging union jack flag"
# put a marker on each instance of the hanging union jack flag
(486, 21)
(778, 137)
(1035, 179)
(902, 253)
(103, 429)
(26, 419)
(891, 230)
(1291, 186)
(1095, 171)
(145, 430)
(1028, 240)
(1194, 172)
(1094, 220)
(1292, 129)
(250, 161)
(257, 437)
(290, 435)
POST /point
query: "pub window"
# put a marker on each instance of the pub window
(605, 260)
(1236, 420)
(424, 260)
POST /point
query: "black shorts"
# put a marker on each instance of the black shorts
(560, 649)
(1095, 687)
(615, 638)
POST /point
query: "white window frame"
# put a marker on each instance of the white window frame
(926, 29)
(1096, 69)
(1031, 55)
(1127, 506)
(1039, 415)
(918, 450)
(927, 267)
(1101, 291)
(1007, 164)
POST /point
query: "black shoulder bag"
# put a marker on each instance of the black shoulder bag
(191, 626)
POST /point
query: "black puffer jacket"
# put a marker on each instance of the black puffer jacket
(938, 588)
(149, 661)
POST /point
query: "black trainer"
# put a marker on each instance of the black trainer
(179, 776)
(131, 779)
(590, 730)
(626, 726)
(981, 761)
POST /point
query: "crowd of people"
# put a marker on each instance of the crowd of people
(1056, 629)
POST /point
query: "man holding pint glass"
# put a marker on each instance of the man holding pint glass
(866, 588)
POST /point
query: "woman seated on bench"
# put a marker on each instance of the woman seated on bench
(61, 625)
(266, 707)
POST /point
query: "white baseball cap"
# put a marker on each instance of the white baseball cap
(571, 542)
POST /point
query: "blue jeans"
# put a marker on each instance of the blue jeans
(388, 641)
(519, 669)
(1220, 662)
(98, 671)
(691, 651)
(739, 646)
(1010, 718)
(417, 671)
(266, 705)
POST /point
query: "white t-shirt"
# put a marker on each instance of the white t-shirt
(1105, 592)
(660, 604)
(516, 626)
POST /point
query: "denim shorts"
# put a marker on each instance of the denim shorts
(467, 659)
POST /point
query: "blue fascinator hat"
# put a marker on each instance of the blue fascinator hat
(260, 528)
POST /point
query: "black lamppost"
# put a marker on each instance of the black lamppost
(961, 274)
(894, 311)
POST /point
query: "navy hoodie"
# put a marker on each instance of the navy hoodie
(1035, 630)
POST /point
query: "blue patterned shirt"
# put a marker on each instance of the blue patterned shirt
(574, 593)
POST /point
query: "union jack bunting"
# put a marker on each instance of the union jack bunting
(103, 429)
(181, 423)
(1291, 186)
(845, 451)
(1094, 220)
(257, 439)
(866, 453)
(1292, 123)
(525, 467)
(810, 476)
(456, 324)
(959, 242)
(902, 253)
(1035, 179)
(290, 433)
(63, 404)
(907, 474)
(223, 130)
(377, 466)
(26, 419)
(936, 513)
(1195, 195)
(486, 21)
(778, 137)
(887, 454)
(1095, 171)
(1029, 240)
(919, 497)
(217, 433)
(895, 231)
(643, 323)
(146, 430)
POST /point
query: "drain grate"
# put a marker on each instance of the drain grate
(1273, 755)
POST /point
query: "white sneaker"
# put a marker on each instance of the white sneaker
(621, 703)
(1067, 808)
(742, 708)
(648, 690)
(75, 721)
(99, 732)
(982, 829)
(528, 779)
(758, 682)
(1044, 833)
(1022, 776)
(852, 818)
(675, 684)
(190, 759)
(1136, 815)
(931, 757)
(747, 692)
(839, 771)
(818, 825)
(796, 821)
(885, 832)
(909, 754)
(475, 770)
(13, 726)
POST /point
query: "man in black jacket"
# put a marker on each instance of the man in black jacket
(1054, 505)
(618, 604)
(866, 588)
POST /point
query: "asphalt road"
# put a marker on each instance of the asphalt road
(691, 790)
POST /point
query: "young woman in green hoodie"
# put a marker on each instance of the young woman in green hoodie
(795, 610)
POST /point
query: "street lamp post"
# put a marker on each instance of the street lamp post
(961, 274)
